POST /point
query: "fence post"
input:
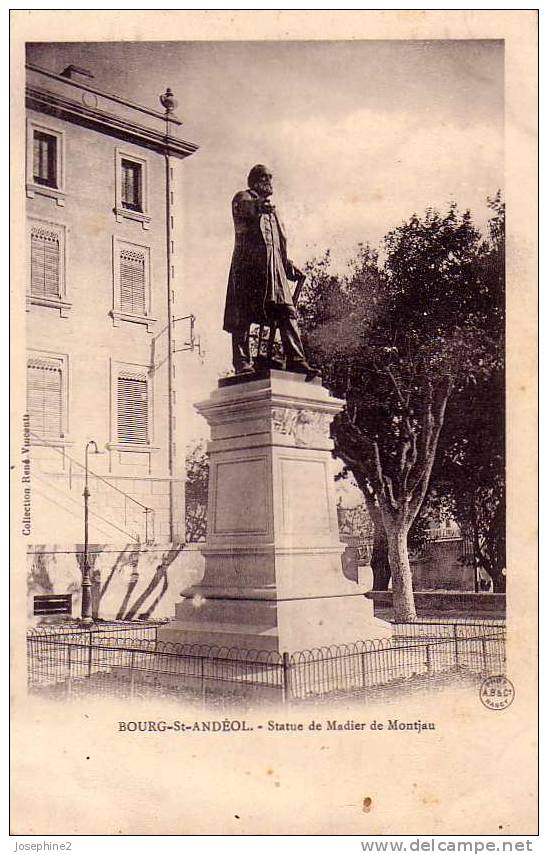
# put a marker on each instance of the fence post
(69, 670)
(456, 636)
(428, 659)
(484, 653)
(202, 680)
(285, 677)
(364, 669)
(90, 653)
(30, 662)
(132, 674)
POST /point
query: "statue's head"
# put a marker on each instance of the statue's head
(260, 180)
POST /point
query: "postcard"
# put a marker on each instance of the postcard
(273, 436)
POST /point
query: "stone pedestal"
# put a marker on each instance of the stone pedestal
(273, 575)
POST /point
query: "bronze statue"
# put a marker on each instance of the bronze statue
(258, 288)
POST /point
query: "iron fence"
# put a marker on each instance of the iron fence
(462, 628)
(110, 663)
(355, 668)
(146, 630)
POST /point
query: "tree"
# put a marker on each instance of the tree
(396, 339)
(468, 479)
(197, 478)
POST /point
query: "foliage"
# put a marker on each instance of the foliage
(468, 480)
(354, 521)
(197, 477)
(469, 475)
(396, 338)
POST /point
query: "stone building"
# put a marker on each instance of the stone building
(102, 286)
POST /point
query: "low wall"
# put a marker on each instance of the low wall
(445, 603)
(128, 582)
(439, 566)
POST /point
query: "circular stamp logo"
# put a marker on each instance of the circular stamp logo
(497, 692)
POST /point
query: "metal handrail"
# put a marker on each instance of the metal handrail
(72, 460)
(95, 514)
(91, 472)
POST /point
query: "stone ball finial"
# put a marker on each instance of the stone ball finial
(168, 102)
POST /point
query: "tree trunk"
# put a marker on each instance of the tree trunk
(379, 559)
(402, 579)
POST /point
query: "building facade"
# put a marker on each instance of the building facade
(101, 288)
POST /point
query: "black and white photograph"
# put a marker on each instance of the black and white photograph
(273, 310)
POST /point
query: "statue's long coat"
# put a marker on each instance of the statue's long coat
(249, 284)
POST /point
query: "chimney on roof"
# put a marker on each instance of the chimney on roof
(74, 72)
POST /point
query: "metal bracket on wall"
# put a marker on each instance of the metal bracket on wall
(192, 342)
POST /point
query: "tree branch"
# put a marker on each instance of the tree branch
(421, 486)
(394, 382)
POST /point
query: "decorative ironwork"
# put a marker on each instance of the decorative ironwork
(111, 661)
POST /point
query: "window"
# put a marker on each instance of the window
(45, 258)
(132, 281)
(132, 291)
(132, 408)
(45, 396)
(131, 414)
(45, 159)
(131, 176)
(45, 162)
(46, 264)
(132, 184)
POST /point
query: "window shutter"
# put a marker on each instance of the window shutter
(45, 254)
(132, 282)
(45, 397)
(132, 401)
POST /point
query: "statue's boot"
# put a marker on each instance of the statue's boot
(302, 367)
(241, 358)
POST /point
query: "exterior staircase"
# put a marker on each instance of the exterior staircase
(57, 508)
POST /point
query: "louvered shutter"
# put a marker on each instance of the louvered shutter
(132, 400)
(45, 252)
(45, 397)
(132, 282)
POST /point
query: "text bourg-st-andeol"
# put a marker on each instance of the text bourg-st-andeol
(227, 725)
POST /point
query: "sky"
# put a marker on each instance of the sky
(359, 135)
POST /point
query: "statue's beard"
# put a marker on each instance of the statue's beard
(263, 192)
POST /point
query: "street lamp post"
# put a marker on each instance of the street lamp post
(86, 617)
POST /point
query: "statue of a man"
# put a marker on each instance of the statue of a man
(258, 288)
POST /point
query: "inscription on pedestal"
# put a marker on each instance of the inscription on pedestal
(240, 497)
(304, 497)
